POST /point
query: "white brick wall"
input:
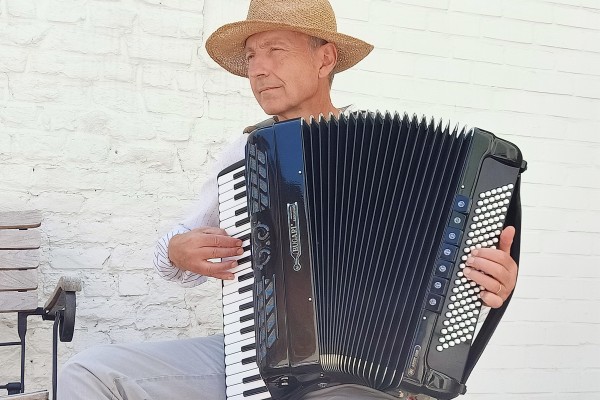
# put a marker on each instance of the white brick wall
(111, 112)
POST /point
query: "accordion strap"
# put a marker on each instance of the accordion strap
(513, 218)
(262, 124)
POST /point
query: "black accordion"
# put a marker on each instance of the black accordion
(357, 231)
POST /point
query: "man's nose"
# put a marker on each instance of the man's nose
(258, 66)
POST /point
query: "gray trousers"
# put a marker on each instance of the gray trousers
(181, 369)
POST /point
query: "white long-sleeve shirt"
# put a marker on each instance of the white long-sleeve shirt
(206, 213)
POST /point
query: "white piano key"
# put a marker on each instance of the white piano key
(246, 253)
(236, 230)
(237, 327)
(226, 214)
(229, 176)
(232, 298)
(235, 369)
(235, 358)
(232, 203)
(260, 396)
(223, 197)
(235, 316)
(237, 346)
(231, 221)
(234, 306)
(242, 269)
(230, 185)
(234, 287)
(237, 336)
(242, 387)
(235, 379)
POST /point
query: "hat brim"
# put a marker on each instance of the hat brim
(226, 44)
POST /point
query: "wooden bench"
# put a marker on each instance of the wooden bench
(19, 260)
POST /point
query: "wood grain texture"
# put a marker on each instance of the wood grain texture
(20, 219)
(19, 259)
(65, 284)
(41, 395)
(18, 279)
(16, 239)
(18, 301)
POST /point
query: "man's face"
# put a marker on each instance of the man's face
(283, 70)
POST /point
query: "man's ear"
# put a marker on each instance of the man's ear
(329, 56)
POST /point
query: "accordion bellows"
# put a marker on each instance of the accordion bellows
(360, 229)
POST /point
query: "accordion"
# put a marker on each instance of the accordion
(356, 231)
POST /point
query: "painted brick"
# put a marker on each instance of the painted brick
(477, 7)
(68, 38)
(160, 49)
(132, 284)
(12, 59)
(171, 23)
(62, 10)
(67, 64)
(113, 16)
(25, 9)
(24, 33)
(185, 5)
(386, 13)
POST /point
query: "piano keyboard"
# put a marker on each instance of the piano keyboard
(241, 372)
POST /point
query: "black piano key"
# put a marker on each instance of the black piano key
(247, 317)
(242, 222)
(247, 329)
(240, 184)
(249, 347)
(246, 306)
(243, 261)
(245, 237)
(248, 360)
(240, 195)
(240, 211)
(252, 392)
(245, 277)
(239, 174)
(252, 378)
(245, 289)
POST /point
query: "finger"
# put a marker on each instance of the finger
(490, 284)
(206, 253)
(506, 239)
(492, 300)
(208, 268)
(211, 230)
(491, 268)
(495, 255)
(217, 240)
(224, 276)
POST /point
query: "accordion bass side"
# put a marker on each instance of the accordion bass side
(359, 232)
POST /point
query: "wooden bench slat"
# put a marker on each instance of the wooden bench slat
(41, 395)
(19, 259)
(20, 219)
(18, 301)
(18, 279)
(15, 239)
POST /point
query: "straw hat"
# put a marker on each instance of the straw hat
(312, 17)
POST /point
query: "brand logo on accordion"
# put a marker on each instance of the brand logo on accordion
(294, 230)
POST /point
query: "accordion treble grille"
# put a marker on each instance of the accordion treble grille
(369, 225)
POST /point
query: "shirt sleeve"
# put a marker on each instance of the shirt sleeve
(205, 213)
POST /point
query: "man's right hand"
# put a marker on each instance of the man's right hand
(191, 251)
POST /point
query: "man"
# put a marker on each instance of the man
(289, 50)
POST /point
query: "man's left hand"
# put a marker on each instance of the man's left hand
(494, 270)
